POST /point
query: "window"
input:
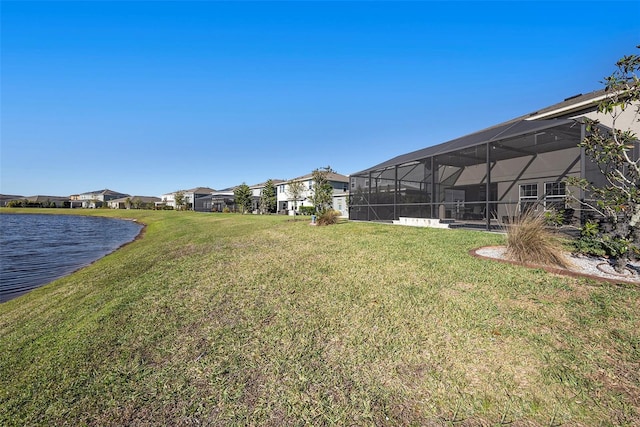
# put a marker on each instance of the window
(528, 197)
(554, 195)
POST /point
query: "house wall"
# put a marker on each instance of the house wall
(546, 167)
(255, 199)
(340, 205)
(116, 205)
(627, 119)
(283, 198)
(169, 199)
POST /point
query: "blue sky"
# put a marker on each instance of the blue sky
(150, 97)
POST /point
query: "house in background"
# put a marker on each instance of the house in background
(341, 203)
(286, 203)
(194, 199)
(36, 201)
(197, 197)
(256, 191)
(48, 201)
(96, 199)
(74, 201)
(134, 202)
(222, 200)
(490, 175)
(6, 198)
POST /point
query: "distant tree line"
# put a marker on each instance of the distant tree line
(24, 203)
(134, 203)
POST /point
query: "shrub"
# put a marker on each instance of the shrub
(553, 218)
(15, 204)
(530, 241)
(558, 218)
(307, 210)
(329, 217)
(611, 148)
(589, 242)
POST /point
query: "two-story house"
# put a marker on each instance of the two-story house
(96, 199)
(288, 202)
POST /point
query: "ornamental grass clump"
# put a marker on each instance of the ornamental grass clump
(329, 217)
(529, 240)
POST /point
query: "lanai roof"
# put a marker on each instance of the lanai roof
(496, 133)
(520, 126)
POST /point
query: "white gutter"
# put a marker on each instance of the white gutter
(568, 108)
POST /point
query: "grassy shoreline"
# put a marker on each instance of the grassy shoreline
(258, 320)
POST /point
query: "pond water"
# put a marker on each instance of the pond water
(36, 249)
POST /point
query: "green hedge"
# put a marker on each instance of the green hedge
(307, 210)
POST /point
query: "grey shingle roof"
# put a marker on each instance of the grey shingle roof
(331, 177)
(200, 190)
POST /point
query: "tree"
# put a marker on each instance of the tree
(322, 191)
(179, 199)
(617, 201)
(242, 194)
(295, 190)
(268, 200)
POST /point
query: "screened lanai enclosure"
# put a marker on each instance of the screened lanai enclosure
(483, 179)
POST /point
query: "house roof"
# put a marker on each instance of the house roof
(570, 106)
(10, 197)
(41, 198)
(196, 190)
(143, 199)
(105, 192)
(200, 190)
(331, 176)
(262, 184)
(253, 187)
(497, 133)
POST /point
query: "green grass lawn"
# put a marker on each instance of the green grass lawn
(222, 319)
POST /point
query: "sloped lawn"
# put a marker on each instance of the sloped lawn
(221, 319)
